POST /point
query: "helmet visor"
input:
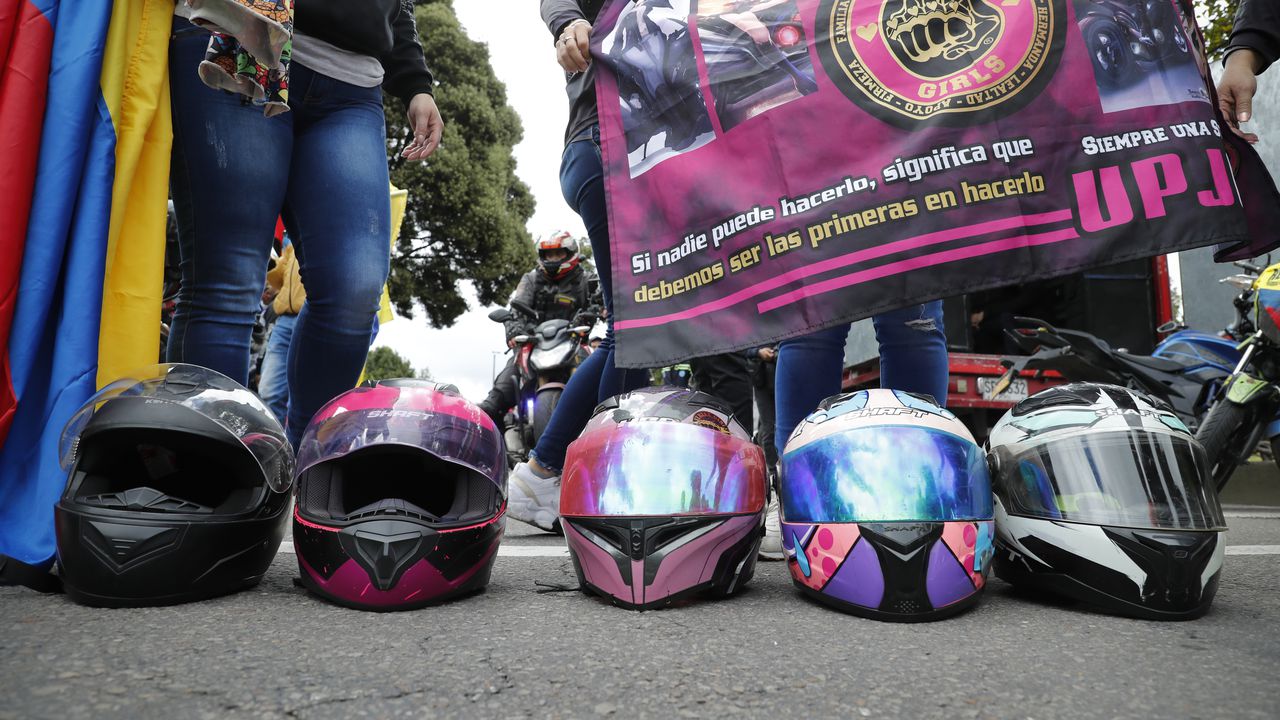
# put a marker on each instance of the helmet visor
(661, 468)
(207, 392)
(1130, 479)
(459, 439)
(886, 474)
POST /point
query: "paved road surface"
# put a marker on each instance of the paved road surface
(517, 651)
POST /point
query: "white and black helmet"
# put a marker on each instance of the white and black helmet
(1102, 495)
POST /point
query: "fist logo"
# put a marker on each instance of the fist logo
(925, 30)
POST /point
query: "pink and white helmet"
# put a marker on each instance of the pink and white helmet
(401, 497)
(662, 497)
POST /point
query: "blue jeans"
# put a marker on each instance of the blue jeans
(582, 182)
(273, 385)
(913, 357)
(323, 166)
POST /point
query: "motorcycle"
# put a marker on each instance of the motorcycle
(1245, 412)
(744, 73)
(658, 81)
(1119, 36)
(1186, 370)
(545, 358)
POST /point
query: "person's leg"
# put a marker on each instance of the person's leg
(728, 377)
(765, 406)
(273, 388)
(535, 485)
(582, 182)
(913, 350)
(809, 370)
(338, 211)
(503, 396)
(229, 166)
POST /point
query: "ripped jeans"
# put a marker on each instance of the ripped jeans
(913, 357)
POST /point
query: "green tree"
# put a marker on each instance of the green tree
(1215, 18)
(384, 363)
(467, 210)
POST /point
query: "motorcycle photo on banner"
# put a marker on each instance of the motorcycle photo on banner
(776, 167)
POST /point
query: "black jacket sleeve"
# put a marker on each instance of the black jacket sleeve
(559, 13)
(524, 293)
(405, 65)
(1257, 27)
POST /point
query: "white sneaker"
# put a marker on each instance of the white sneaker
(532, 498)
(771, 545)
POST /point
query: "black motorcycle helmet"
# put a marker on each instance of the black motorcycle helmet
(178, 482)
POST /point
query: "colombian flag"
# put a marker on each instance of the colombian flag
(83, 191)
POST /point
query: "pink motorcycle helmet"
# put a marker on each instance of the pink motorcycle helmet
(401, 497)
(662, 498)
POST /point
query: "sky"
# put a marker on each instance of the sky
(521, 51)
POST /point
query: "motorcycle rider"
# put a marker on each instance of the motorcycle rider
(558, 288)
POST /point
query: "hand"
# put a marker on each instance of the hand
(767, 354)
(1236, 89)
(511, 344)
(425, 122)
(975, 319)
(573, 47)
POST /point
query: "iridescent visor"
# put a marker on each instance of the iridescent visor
(661, 468)
(1147, 480)
(886, 474)
(451, 437)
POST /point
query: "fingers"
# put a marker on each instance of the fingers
(427, 126)
(573, 48)
(1244, 105)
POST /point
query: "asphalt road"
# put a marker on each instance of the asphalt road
(523, 650)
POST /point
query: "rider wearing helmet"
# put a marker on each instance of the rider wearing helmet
(559, 288)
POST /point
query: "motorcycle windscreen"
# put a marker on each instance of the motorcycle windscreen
(886, 474)
(1140, 480)
(455, 438)
(657, 468)
(204, 391)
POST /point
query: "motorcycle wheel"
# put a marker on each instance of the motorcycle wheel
(1222, 433)
(543, 407)
(1109, 49)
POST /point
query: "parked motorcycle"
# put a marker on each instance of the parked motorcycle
(658, 80)
(545, 358)
(1187, 369)
(1245, 412)
(1121, 34)
(743, 73)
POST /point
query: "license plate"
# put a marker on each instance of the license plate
(1016, 392)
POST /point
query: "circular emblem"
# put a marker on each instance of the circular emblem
(947, 62)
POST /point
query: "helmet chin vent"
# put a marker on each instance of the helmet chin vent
(144, 499)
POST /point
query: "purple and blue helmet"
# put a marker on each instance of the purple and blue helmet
(886, 507)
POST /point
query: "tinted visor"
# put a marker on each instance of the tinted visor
(451, 437)
(211, 394)
(1129, 479)
(661, 468)
(886, 474)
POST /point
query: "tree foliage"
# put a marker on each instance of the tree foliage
(384, 363)
(467, 210)
(1215, 18)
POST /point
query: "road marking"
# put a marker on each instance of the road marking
(503, 551)
(533, 551)
(1252, 514)
(1253, 549)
